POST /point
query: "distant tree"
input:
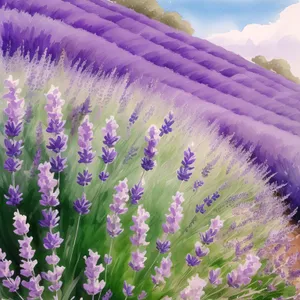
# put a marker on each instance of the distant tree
(279, 66)
(153, 10)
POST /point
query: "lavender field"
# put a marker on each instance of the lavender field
(139, 162)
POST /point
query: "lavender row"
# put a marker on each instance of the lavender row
(192, 73)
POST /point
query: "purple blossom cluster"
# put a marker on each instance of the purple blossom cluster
(58, 139)
(208, 201)
(7, 275)
(152, 139)
(140, 229)
(21, 228)
(50, 220)
(166, 128)
(194, 290)
(243, 274)
(15, 113)
(109, 152)
(185, 171)
(163, 271)
(92, 272)
(118, 207)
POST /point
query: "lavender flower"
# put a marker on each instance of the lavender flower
(242, 275)
(84, 178)
(14, 196)
(107, 295)
(58, 164)
(164, 271)
(54, 277)
(46, 180)
(108, 155)
(128, 289)
(140, 227)
(192, 261)
(148, 162)
(5, 272)
(163, 247)
(184, 173)
(107, 259)
(200, 208)
(103, 176)
(110, 132)
(52, 240)
(200, 250)
(166, 128)
(142, 295)
(33, 285)
(137, 260)
(195, 288)
(197, 184)
(136, 193)
(175, 216)
(85, 137)
(118, 207)
(12, 165)
(92, 272)
(208, 236)
(133, 118)
(82, 205)
(51, 218)
(13, 148)
(214, 277)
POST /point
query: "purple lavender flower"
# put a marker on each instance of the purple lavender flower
(107, 259)
(33, 285)
(13, 130)
(208, 236)
(133, 118)
(195, 288)
(108, 155)
(20, 225)
(14, 196)
(54, 278)
(197, 184)
(166, 128)
(142, 295)
(110, 132)
(148, 162)
(52, 240)
(140, 228)
(137, 260)
(164, 271)
(215, 196)
(128, 289)
(113, 226)
(208, 201)
(242, 275)
(107, 295)
(120, 198)
(192, 261)
(103, 176)
(214, 277)
(50, 200)
(12, 165)
(85, 137)
(184, 173)
(51, 218)
(12, 284)
(92, 272)
(28, 113)
(136, 193)
(200, 208)
(85, 108)
(13, 148)
(84, 178)
(200, 250)
(46, 180)
(55, 127)
(82, 205)
(163, 247)
(58, 144)
(173, 219)
(58, 164)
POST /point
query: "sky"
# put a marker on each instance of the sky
(218, 16)
(246, 27)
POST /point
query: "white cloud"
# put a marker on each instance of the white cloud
(280, 39)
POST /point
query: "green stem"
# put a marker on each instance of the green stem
(110, 248)
(76, 233)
